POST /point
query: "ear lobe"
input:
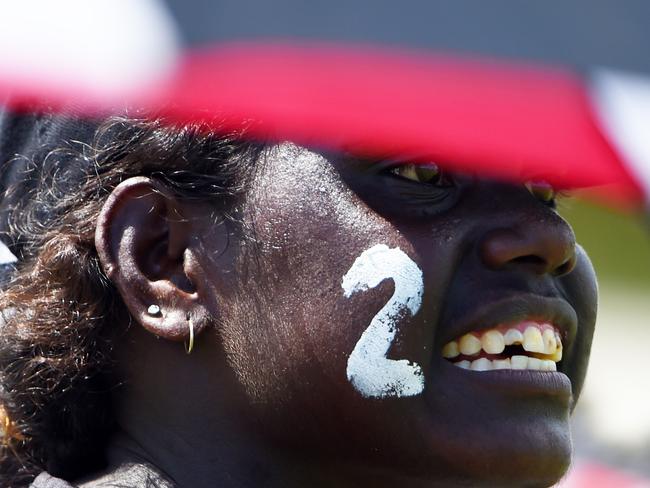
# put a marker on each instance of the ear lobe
(142, 239)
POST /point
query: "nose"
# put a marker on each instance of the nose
(540, 246)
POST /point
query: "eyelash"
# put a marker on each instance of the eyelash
(420, 173)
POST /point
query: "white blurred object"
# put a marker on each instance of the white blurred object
(622, 102)
(100, 47)
(6, 257)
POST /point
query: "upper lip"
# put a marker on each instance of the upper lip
(514, 309)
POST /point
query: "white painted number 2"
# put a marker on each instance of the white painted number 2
(369, 370)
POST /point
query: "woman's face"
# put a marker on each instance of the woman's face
(353, 279)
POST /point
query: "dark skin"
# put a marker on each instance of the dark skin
(263, 399)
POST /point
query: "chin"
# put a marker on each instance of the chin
(525, 449)
(528, 462)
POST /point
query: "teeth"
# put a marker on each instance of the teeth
(516, 362)
(533, 341)
(519, 362)
(493, 342)
(463, 364)
(502, 364)
(513, 336)
(557, 355)
(450, 350)
(550, 343)
(546, 345)
(534, 364)
(548, 365)
(469, 345)
(481, 364)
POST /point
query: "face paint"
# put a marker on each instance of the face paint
(369, 370)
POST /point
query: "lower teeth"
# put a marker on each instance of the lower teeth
(514, 362)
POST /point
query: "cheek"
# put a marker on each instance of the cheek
(317, 345)
(582, 291)
(325, 299)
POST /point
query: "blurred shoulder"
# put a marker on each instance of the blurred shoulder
(44, 480)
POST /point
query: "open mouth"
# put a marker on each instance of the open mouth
(527, 345)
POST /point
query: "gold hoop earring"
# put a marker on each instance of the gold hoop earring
(190, 346)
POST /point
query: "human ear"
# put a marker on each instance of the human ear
(144, 244)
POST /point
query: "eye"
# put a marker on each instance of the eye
(543, 191)
(428, 173)
(403, 188)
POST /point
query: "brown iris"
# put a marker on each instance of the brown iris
(420, 173)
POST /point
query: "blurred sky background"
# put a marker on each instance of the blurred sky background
(579, 33)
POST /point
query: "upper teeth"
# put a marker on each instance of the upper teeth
(541, 339)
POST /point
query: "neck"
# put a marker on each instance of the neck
(184, 415)
(147, 467)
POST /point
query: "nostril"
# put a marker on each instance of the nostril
(566, 267)
(530, 261)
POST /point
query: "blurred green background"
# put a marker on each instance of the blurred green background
(617, 242)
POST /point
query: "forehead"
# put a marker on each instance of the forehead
(288, 160)
(335, 186)
(328, 207)
(300, 183)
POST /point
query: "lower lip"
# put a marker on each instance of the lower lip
(514, 381)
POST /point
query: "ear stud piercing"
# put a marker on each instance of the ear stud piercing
(154, 310)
